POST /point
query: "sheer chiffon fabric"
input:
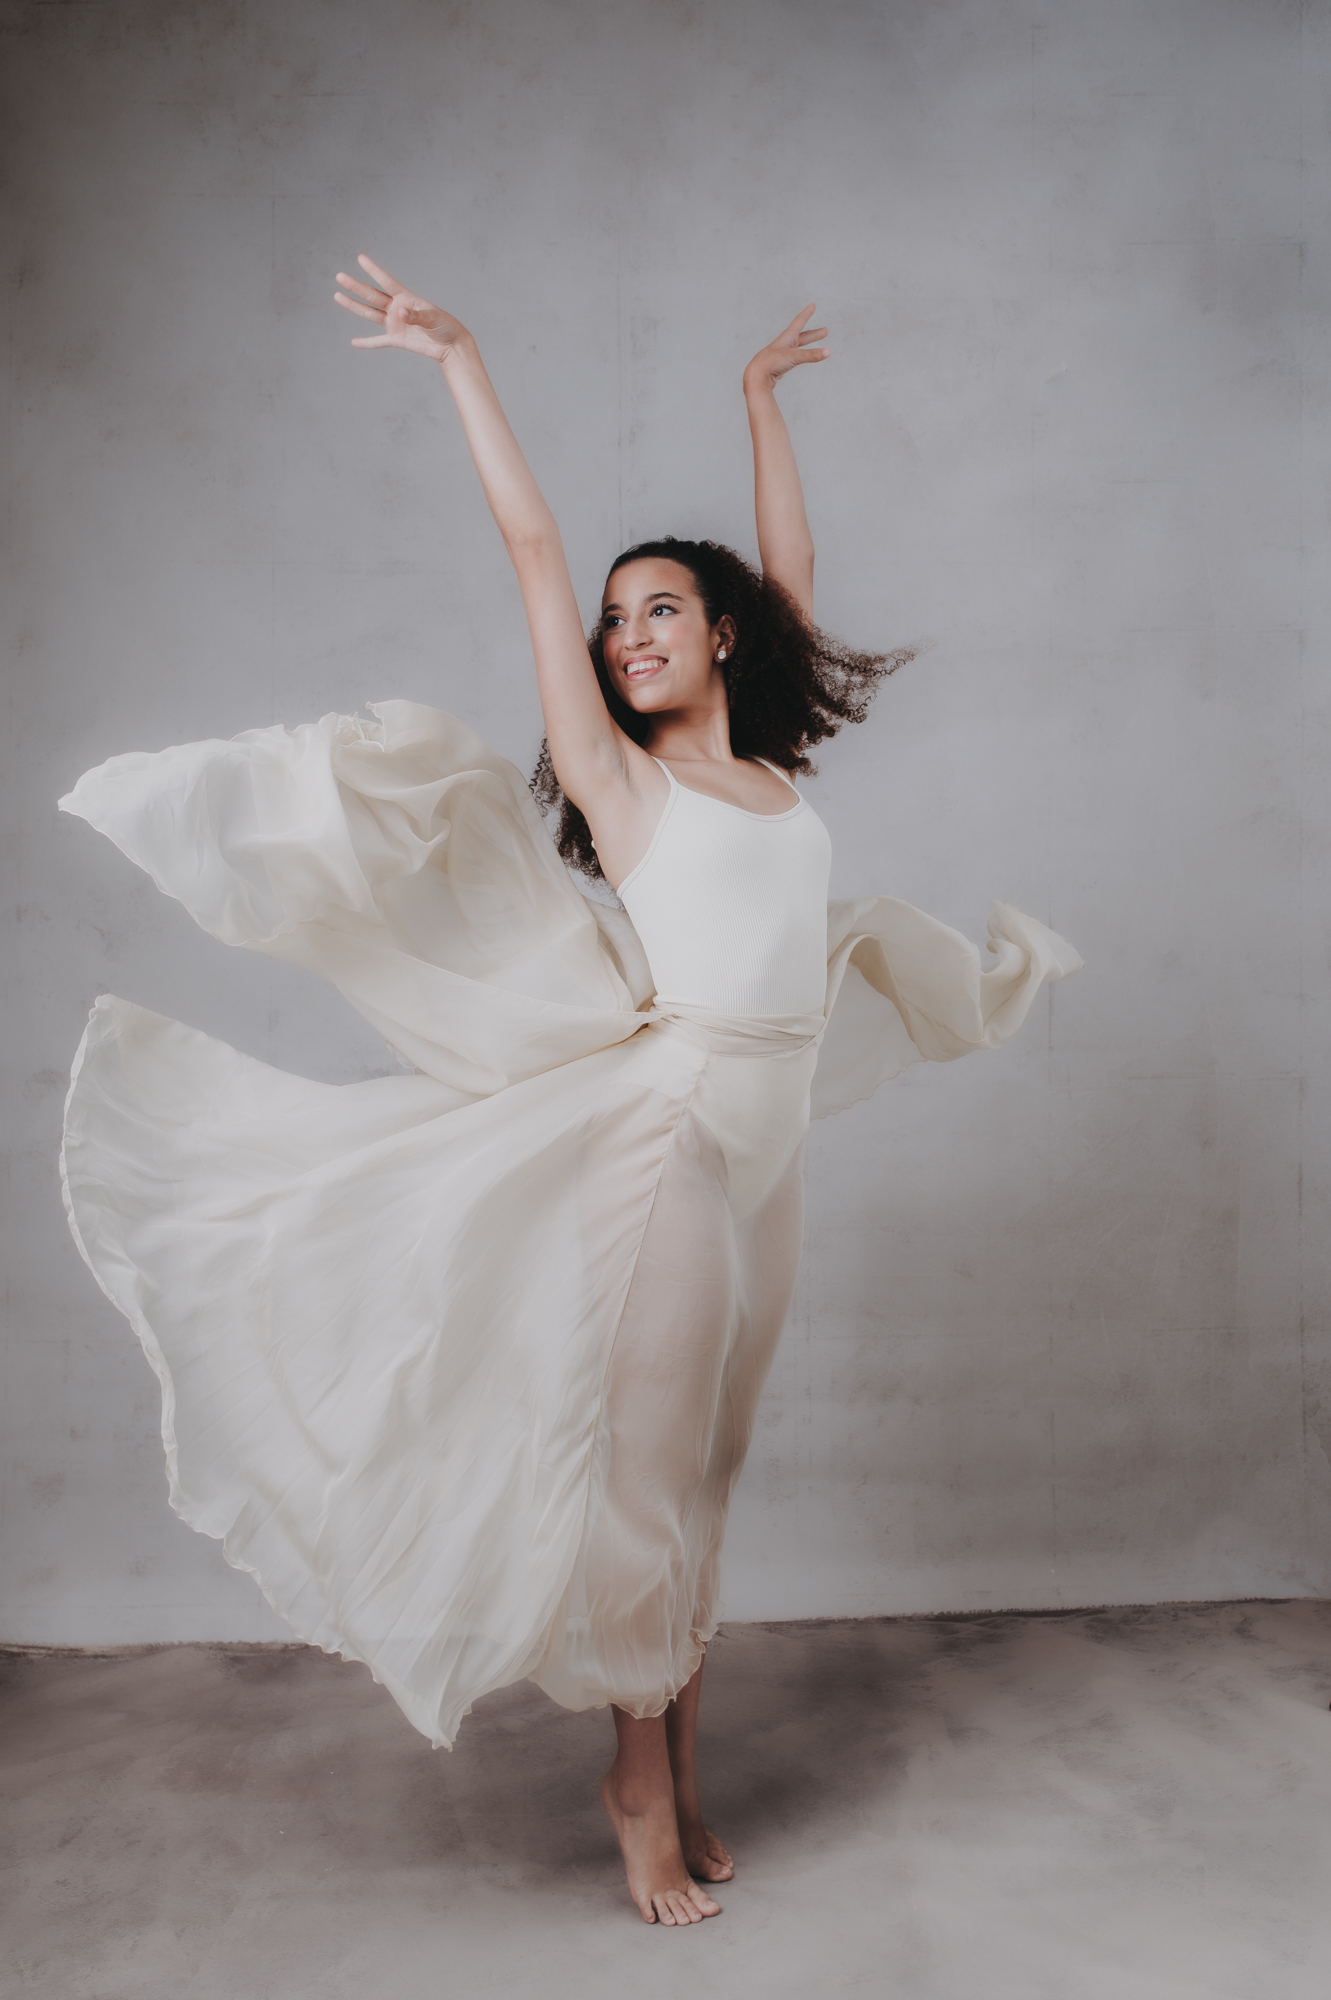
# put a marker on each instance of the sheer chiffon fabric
(462, 1364)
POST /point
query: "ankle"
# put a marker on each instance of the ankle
(635, 1795)
(688, 1803)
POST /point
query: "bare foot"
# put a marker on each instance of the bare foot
(704, 1856)
(659, 1881)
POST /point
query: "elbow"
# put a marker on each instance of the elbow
(533, 543)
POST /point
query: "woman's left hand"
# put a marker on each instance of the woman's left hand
(786, 352)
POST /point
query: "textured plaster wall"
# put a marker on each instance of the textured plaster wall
(1062, 1334)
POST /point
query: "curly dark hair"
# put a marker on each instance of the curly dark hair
(788, 684)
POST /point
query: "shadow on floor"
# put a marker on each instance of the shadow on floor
(1081, 1805)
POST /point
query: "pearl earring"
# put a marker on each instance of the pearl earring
(721, 655)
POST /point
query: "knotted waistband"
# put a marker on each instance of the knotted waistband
(737, 1034)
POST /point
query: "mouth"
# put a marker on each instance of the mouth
(642, 670)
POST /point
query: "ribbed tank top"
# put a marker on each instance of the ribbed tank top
(731, 905)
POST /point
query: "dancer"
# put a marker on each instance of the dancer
(462, 1364)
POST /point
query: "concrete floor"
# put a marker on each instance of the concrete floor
(1128, 1803)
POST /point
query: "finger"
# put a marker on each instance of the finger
(801, 319)
(814, 333)
(370, 293)
(390, 285)
(812, 354)
(377, 340)
(365, 312)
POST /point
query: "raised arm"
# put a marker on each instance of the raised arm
(587, 748)
(785, 545)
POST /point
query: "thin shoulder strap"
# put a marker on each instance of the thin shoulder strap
(674, 781)
(780, 774)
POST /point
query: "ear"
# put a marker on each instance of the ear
(723, 636)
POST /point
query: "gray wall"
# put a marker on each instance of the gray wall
(1062, 1332)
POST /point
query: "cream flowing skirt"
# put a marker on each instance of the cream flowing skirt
(462, 1364)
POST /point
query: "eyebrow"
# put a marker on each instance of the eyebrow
(651, 600)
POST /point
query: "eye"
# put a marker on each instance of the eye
(660, 607)
(610, 621)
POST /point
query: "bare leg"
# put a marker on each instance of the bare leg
(704, 1856)
(639, 1794)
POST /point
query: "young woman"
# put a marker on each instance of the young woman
(462, 1364)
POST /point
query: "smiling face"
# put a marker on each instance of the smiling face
(659, 648)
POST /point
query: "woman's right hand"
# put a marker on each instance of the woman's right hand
(408, 321)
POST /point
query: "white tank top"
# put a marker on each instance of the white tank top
(731, 906)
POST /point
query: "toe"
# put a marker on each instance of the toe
(710, 1862)
(714, 1867)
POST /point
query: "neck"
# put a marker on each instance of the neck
(694, 735)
